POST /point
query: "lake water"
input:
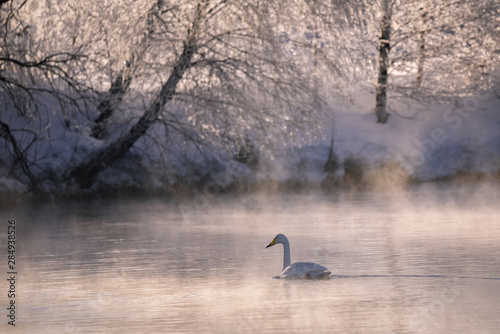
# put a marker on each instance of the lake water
(426, 261)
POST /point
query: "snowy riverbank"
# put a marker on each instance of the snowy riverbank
(432, 145)
(436, 144)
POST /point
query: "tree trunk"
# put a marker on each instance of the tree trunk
(107, 106)
(86, 173)
(121, 84)
(421, 52)
(331, 163)
(384, 48)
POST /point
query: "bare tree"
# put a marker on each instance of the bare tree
(87, 172)
(428, 52)
(424, 15)
(454, 41)
(142, 83)
(229, 75)
(211, 73)
(386, 7)
(121, 83)
(22, 94)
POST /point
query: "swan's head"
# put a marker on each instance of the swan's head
(279, 239)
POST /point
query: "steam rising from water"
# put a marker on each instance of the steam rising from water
(407, 262)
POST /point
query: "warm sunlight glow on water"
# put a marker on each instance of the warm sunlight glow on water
(141, 267)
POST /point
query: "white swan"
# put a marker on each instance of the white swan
(299, 270)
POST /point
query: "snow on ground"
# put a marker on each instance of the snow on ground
(8, 185)
(434, 143)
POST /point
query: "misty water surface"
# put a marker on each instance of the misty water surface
(423, 261)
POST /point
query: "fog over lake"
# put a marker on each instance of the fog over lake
(426, 260)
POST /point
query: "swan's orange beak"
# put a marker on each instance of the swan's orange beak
(272, 243)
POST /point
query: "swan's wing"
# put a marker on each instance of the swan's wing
(301, 270)
(318, 274)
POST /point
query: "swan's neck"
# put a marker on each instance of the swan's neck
(286, 256)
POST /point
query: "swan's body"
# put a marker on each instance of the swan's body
(299, 270)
